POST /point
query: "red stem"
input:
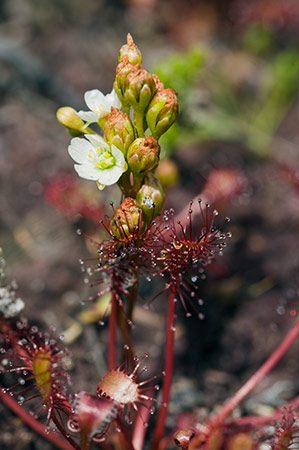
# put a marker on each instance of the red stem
(168, 371)
(257, 377)
(33, 423)
(112, 334)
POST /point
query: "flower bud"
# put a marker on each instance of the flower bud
(131, 51)
(122, 71)
(143, 155)
(67, 117)
(126, 220)
(150, 197)
(140, 89)
(119, 130)
(162, 112)
(167, 172)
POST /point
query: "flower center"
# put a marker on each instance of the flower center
(105, 160)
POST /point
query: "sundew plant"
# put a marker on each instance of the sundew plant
(116, 141)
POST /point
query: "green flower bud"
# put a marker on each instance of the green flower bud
(167, 172)
(140, 89)
(162, 112)
(122, 71)
(126, 220)
(150, 197)
(143, 155)
(68, 118)
(131, 51)
(119, 130)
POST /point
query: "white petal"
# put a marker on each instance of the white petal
(109, 176)
(88, 116)
(79, 149)
(94, 99)
(97, 141)
(87, 171)
(119, 157)
(112, 100)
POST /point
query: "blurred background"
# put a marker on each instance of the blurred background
(235, 65)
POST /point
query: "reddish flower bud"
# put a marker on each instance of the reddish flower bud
(140, 89)
(162, 112)
(122, 71)
(127, 219)
(143, 155)
(119, 130)
(131, 51)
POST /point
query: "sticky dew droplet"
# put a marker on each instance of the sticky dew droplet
(152, 410)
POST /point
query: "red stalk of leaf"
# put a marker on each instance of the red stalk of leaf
(258, 376)
(33, 423)
(168, 371)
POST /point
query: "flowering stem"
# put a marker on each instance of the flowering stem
(125, 333)
(33, 423)
(258, 376)
(168, 370)
(128, 189)
(125, 323)
(112, 334)
(138, 122)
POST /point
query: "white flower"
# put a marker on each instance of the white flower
(96, 160)
(99, 105)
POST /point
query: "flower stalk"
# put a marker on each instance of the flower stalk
(112, 333)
